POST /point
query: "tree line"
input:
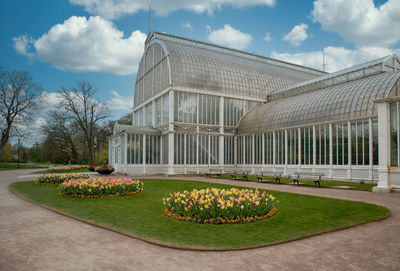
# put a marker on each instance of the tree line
(76, 131)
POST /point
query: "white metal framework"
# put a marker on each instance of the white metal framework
(198, 105)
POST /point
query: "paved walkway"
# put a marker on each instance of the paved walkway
(33, 238)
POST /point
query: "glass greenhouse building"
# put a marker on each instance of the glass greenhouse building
(199, 106)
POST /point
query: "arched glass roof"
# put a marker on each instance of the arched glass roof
(203, 66)
(341, 102)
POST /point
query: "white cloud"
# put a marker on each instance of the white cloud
(230, 37)
(118, 102)
(84, 45)
(22, 45)
(360, 21)
(48, 101)
(267, 37)
(187, 25)
(336, 58)
(297, 35)
(113, 9)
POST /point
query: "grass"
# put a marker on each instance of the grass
(324, 183)
(142, 216)
(12, 166)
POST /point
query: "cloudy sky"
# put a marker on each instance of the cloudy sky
(101, 41)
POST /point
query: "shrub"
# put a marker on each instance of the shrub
(58, 178)
(220, 205)
(101, 187)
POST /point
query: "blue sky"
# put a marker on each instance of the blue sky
(101, 41)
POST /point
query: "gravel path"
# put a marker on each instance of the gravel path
(34, 238)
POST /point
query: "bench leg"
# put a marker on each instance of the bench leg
(296, 181)
(317, 181)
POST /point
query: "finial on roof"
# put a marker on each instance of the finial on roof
(149, 19)
(323, 61)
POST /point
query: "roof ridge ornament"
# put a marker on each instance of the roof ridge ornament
(149, 20)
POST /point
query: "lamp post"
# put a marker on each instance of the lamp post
(19, 147)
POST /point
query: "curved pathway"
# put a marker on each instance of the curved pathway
(34, 238)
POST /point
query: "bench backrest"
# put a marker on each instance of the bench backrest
(309, 174)
(269, 173)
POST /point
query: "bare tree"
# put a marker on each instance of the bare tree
(63, 131)
(18, 100)
(88, 112)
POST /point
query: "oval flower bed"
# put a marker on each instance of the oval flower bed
(220, 205)
(58, 178)
(101, 187)
(67, 168)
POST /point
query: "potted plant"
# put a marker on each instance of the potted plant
(92, 167)
(104, 169)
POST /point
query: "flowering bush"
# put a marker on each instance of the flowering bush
(104, 169)
(58, 178)
(68, 168)
(101, 187)
(220, 205)
(92, 166)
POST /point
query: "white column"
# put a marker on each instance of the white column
(330, 149)
(144, 153)
(299, 147)
(171, 147)
(153, 117)
(197, 150)
(209, 149)
(125, 152)
(197, 131)
(286, 151)
(384, 147)
(221, 132)
(371, 149)
(184, 152)
(314, 148)
(253, 152)
(273, 149)
(235, 150)
(244, 145)
(349, 149)
(262, 150)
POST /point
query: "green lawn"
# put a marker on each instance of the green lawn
(324, 183)
(12, 166)
(142, 216)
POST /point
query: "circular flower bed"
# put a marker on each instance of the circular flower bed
(58, 178)
(101, 187)
(220, 205)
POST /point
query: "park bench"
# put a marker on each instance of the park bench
(237, 174)
(214, 171)
(316, 177)
(263, 174)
